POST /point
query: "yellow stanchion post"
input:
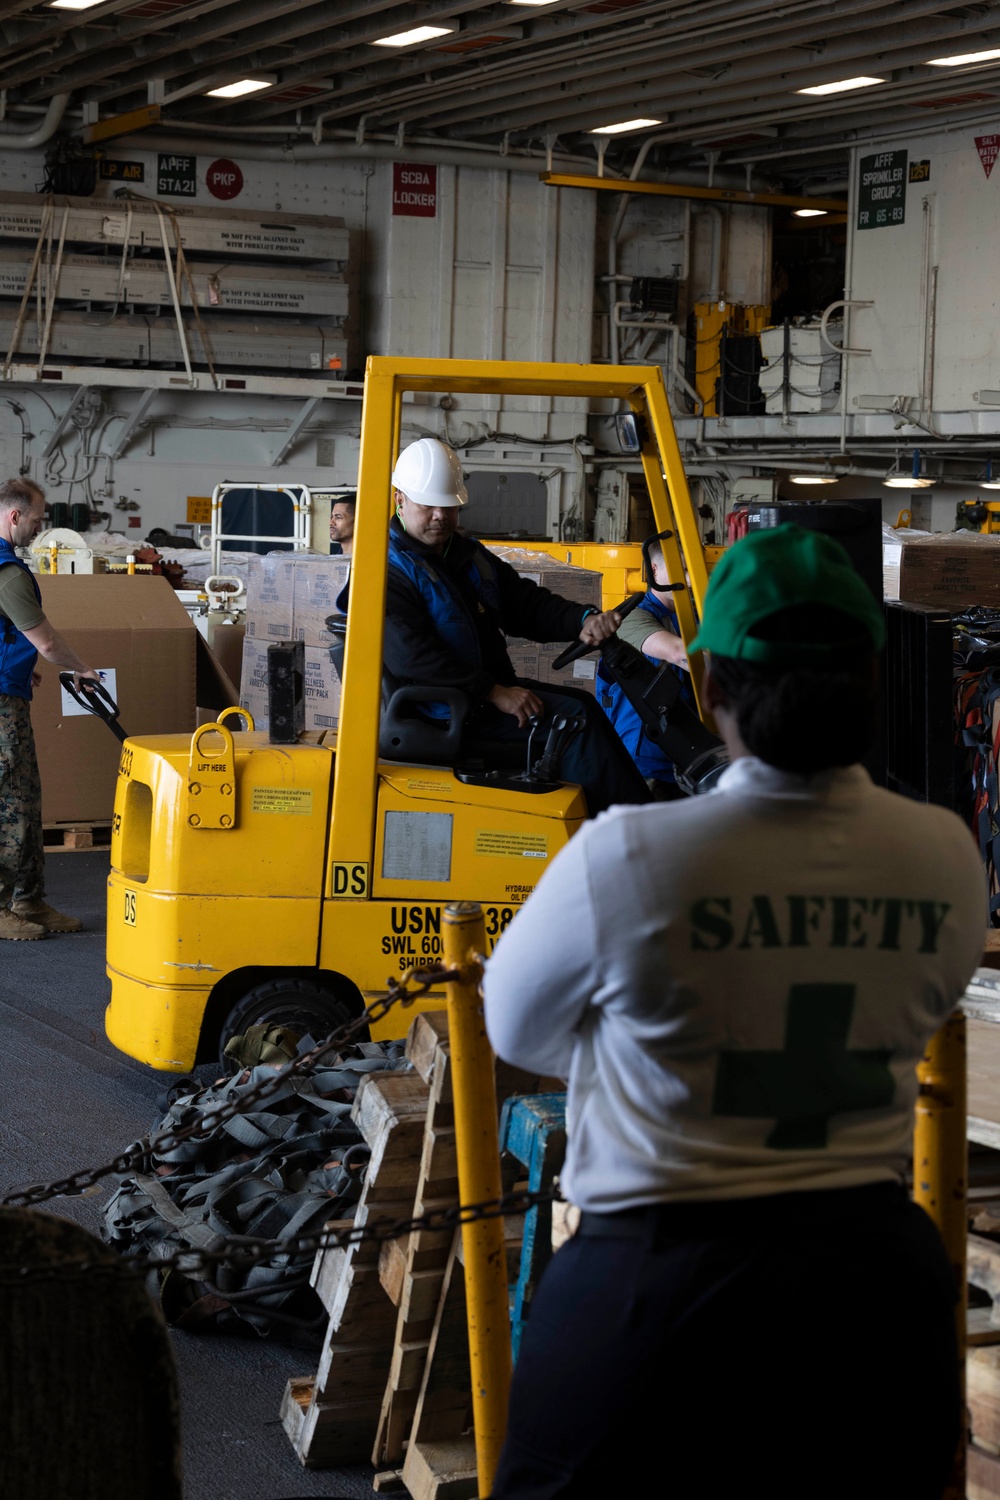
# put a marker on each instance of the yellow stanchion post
(940, 1174)
(478, 1150)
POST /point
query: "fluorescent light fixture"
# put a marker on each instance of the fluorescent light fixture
(73, 4)
(240, 87)
(414, 35)
(531, 2)
(622, 126)
(989, 484)
(896, 479)
(841, 86)
(964, 57)
(810, 213)
(813, 478)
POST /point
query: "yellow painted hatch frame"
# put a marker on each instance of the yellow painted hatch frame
(387, 381)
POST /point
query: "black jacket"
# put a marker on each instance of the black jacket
(414, 651)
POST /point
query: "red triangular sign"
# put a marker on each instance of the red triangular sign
(988, 147)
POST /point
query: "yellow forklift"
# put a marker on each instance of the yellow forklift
(254, 881)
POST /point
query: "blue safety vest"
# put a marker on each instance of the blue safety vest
(448, 610)
(17, 654)
(649, 758)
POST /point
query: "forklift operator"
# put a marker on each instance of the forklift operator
(450, 602)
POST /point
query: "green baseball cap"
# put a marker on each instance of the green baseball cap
(777, 569)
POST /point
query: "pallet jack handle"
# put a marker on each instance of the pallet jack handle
(97, 701)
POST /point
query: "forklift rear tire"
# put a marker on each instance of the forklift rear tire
(300, 1004)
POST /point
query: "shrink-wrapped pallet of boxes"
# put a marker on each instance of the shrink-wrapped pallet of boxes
(289, 596)
(582, 585)
(953, 569)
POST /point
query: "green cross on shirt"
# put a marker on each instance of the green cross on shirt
(813, 1078)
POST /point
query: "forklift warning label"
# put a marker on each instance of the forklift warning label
(282, 799)
(512, 845)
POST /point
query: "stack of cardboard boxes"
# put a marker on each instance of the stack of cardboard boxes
(289, 596)
(583, 586)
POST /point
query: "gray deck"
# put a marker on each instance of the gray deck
(72, 1101)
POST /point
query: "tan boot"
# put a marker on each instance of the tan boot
(18, 929)
(41, 914)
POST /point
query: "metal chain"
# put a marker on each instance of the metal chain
(404, 991)
(258, 1251)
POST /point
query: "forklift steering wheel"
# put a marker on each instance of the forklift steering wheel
(576, 649)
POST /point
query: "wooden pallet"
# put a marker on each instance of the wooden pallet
(412, 1270)
(331, 1417)
(60, 838)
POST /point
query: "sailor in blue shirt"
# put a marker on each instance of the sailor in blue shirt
(652, 629)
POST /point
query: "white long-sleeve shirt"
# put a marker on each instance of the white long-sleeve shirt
(739, 987)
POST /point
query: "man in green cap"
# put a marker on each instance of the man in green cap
(738, 988)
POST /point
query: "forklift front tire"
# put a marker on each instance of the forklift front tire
(300, 1004)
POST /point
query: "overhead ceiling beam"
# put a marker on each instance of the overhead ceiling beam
(265, 28)
(682, 190)
(673, 59)
(661, 91)
(546, 43)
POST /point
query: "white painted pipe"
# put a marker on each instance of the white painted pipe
(27, 140)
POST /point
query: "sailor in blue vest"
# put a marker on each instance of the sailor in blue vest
(652, 629)
(25, 633)
(449, 605)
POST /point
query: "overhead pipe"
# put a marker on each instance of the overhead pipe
(349, 149)
(38, 135)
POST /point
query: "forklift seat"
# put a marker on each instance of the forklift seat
(406, 734)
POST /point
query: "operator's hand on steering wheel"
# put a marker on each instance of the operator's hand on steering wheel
(597, 628)
(520, 702)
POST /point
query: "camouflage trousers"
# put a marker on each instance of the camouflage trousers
(22, 859)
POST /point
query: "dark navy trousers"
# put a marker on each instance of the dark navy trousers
(596, 759)
(797, 1347)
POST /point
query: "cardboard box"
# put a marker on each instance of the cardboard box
(533, 659)
(269, 601)
(290, 595)
(951, 570)
(317, 583)
(138, 627)
(321, 687)
(253, 682)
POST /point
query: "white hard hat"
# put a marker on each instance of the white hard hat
(428, 473)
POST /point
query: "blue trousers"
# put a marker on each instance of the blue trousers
(799, 1347)
(596, 759)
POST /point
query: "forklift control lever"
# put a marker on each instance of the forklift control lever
(562, 729)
